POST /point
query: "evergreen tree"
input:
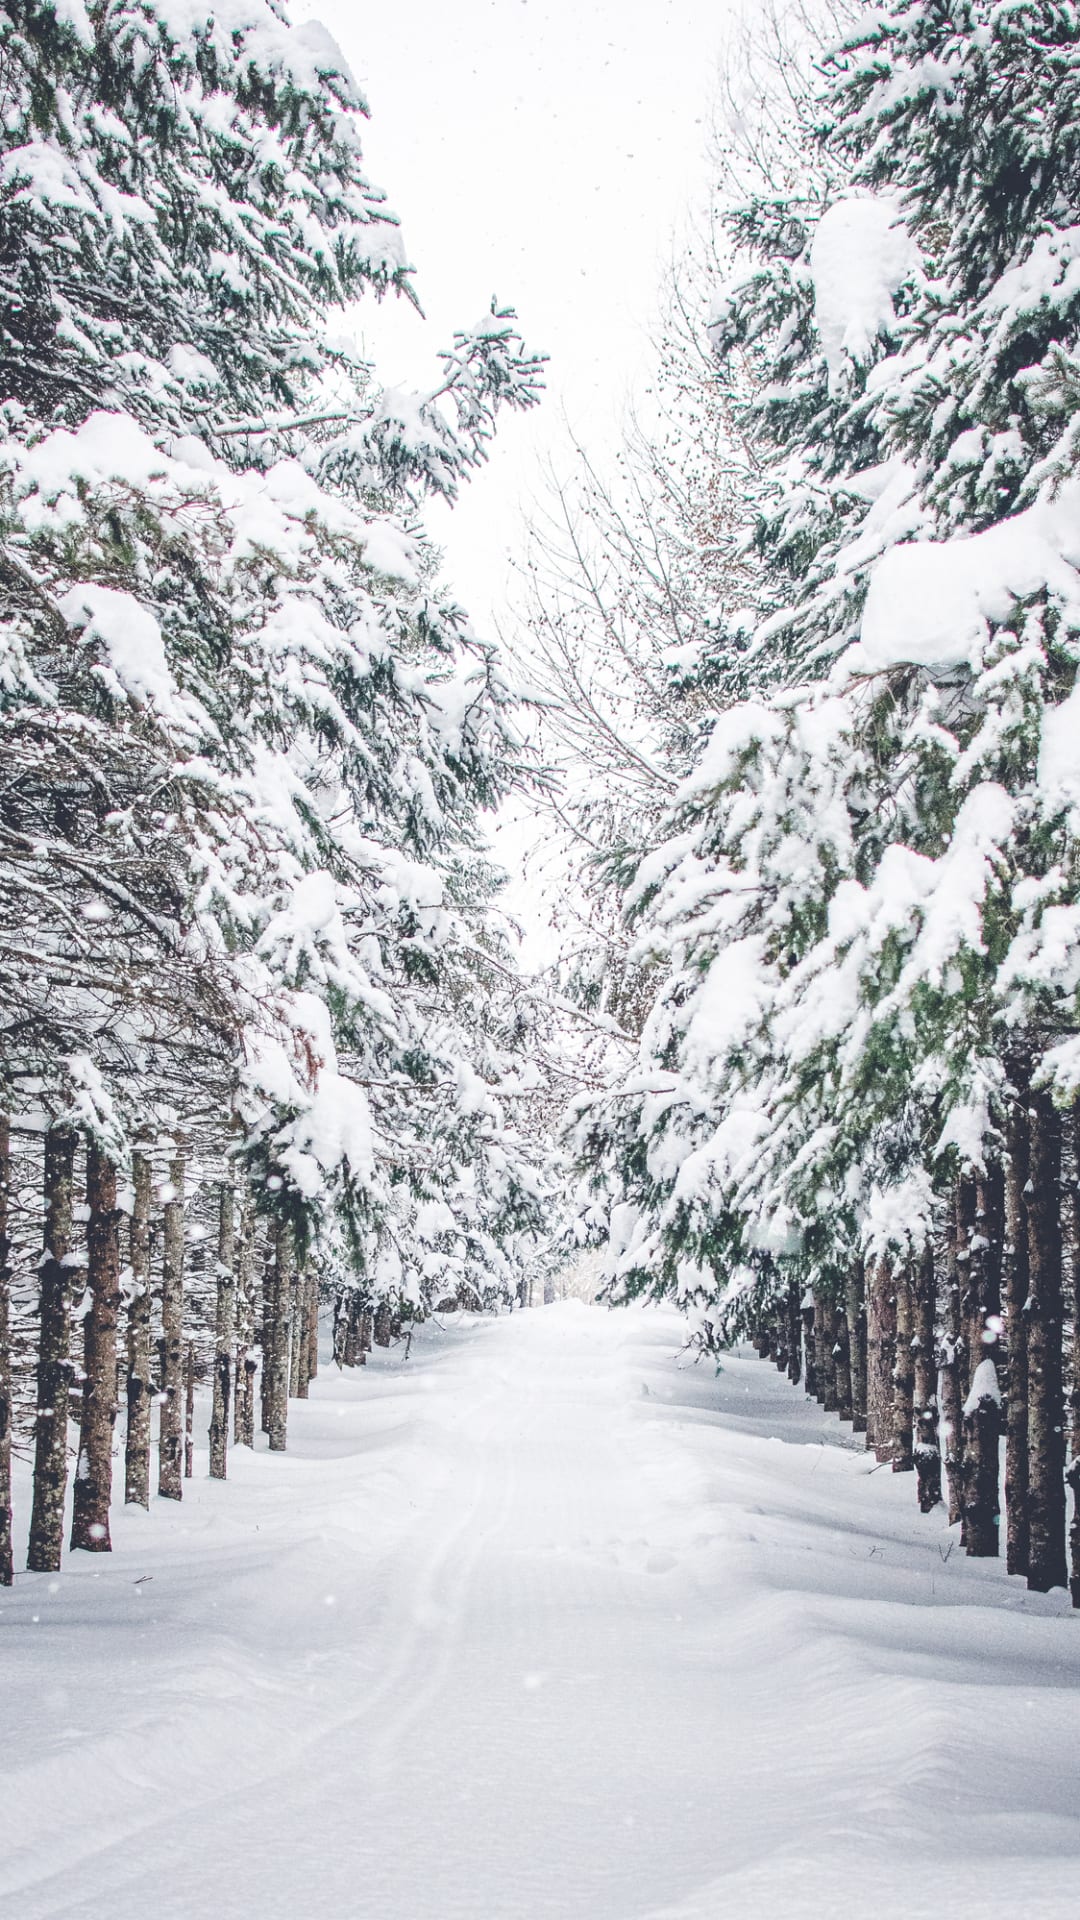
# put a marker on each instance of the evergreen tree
(863, 911)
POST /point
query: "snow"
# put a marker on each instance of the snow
(931, 603)
(136, 666)
(860, 256)
(984, 1388)
(545, 1623)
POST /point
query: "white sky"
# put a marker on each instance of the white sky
(544, 151)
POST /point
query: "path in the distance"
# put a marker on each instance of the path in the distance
(541, 1625)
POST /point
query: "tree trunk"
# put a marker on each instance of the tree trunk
(880, 1359)
(950, 1398)
(54, 1355)
(276, 1364)
(312, 1348)
(1046, 1402)
(139, 1343)
(903, 1409)
(170, 1405)
(298, 1385)
(780, 1336)
(223, 1344)
(823, 1373)
(1074, 1392)
(189, 1411)
(982, 1407)
(354, 1332)
(268, 1325)
(842, 1360)
(927, 1444)
(831, 1401)
(1016, 1320)
(794, 1334)
(383, 1323)
(7, 1547)
(855, 1313)
(809, 1345)
(367, 1332)
(244, 1417)
(93, 1474)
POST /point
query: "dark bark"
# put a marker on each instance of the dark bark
(982, 1407)
(1046, 1400)
(903, 1410)
(806, 1312)
(1073, 1265)
(276, 1364)
(354, 1332)
(780, 1337)
(54, 1355)
(842, 1361)
(950, 1397)
(925, 1410)
(140, 1388)
(823, 1374)
(794, 1333)
(880, 1360)
(7, 1545)
(855, 1314)
(1015, 1284)
(367, 1333)
(383, 1323)
(267, 1330)
(93, 1474)
(171, 1403)
(246, 1364)
(223, 1337)
(312, 1299)
(189, 1411)
(298, 1385)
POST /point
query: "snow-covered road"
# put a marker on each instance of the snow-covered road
(542, 1624)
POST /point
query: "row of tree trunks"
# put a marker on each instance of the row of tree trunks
(7, 1561)
(1011, 1290)
(87, 1289)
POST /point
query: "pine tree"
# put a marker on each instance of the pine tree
(861, 905)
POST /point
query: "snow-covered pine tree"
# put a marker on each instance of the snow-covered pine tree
(914, 972)
(246, 739)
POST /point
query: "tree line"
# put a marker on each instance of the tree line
(843, 926)
(262, 1023)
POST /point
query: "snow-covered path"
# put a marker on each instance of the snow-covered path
(541, 1624)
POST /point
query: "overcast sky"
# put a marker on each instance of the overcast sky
(545, 151)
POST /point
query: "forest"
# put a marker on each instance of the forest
(790, 699)
(629, 1284)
